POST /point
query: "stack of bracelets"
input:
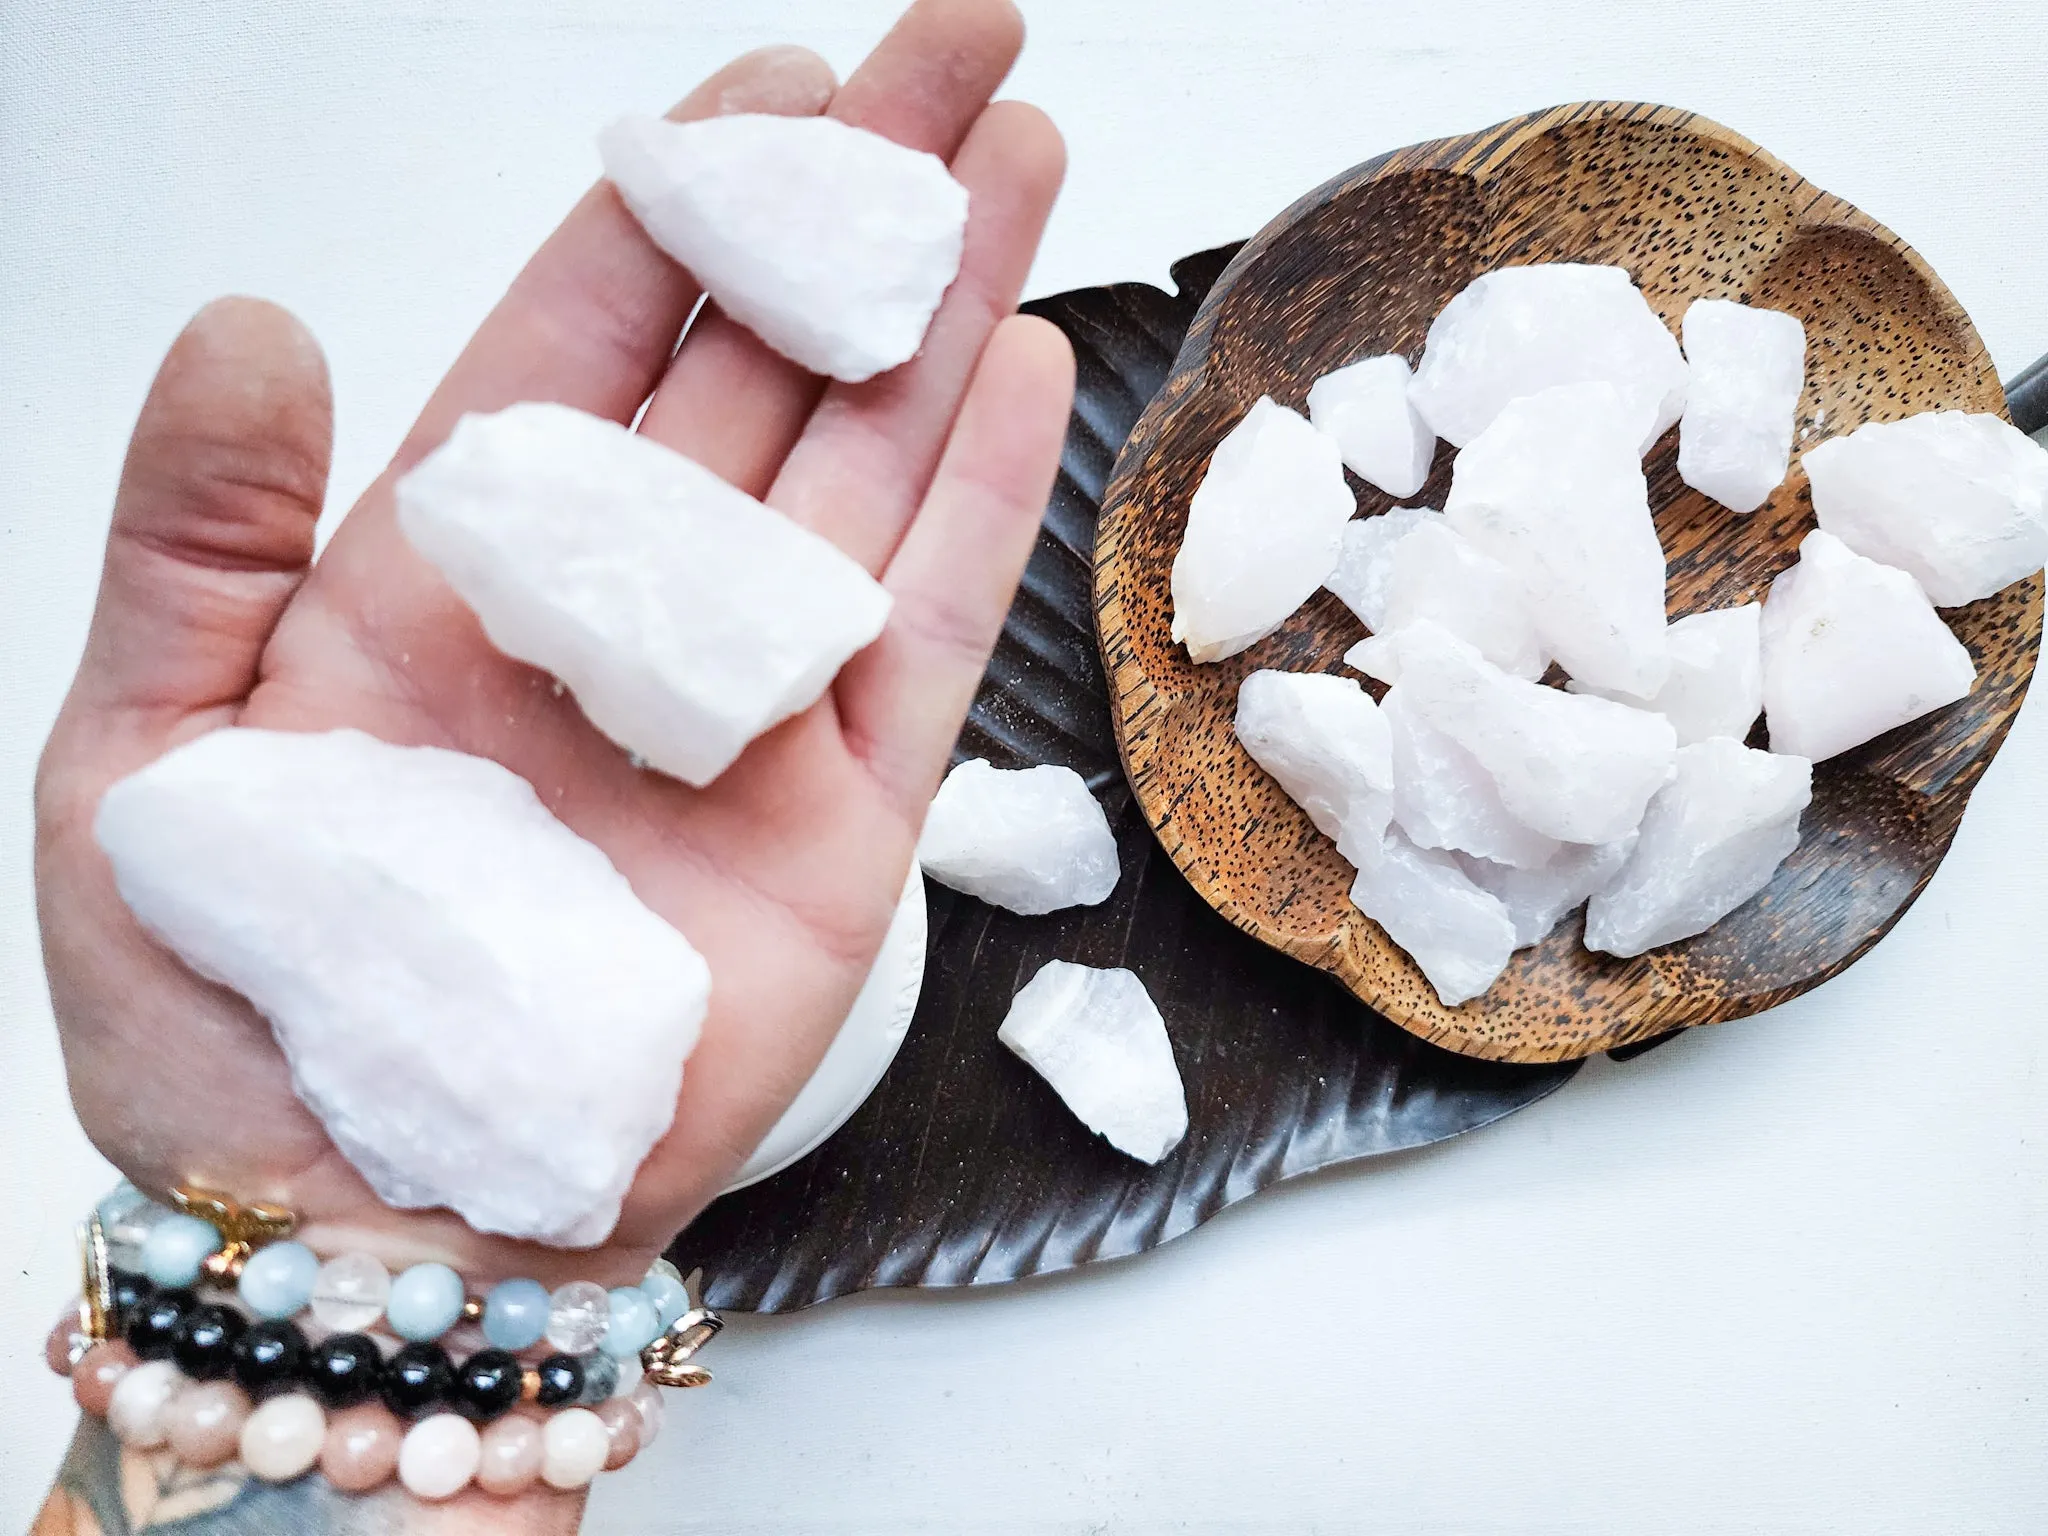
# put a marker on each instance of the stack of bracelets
(207, 1331)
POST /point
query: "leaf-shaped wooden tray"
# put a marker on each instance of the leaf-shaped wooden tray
(964, 1168)
(1361, 266)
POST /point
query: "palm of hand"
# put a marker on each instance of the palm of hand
(784, 872)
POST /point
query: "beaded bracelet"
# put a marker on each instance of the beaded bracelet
(167, 1368)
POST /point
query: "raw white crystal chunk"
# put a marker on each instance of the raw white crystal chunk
(1365, 408)
(1098, 1039)
(1327, 743)
(472, 999)
(1263, 532)
(1748, 371)
(1716, 687)
(1568, 766)
(1365, 562)
(1444, 798)
(830, 243)
(1554, 490)
(1958, 502)
(1851, 649)
(1712, 839)
(686, 617)
(1033, 840)
(1523, 330)
(1538, 899)
(1459, 935)
(1436, 576)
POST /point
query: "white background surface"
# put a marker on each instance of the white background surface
(1787, 1275)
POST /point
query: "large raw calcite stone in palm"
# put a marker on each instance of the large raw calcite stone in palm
(1445, 799)
(1033, 840)
(1365, 560)
(1568, 766)
(472, 999)
(832, 244)
(1435, 575)
(1328, 745)
(1538, 899)
(1711, 840)
(1365, 409)
(1958, 502)
(1460, 935)
(1852, 649)
(1748, 372)
(1554, 490)
(1716, 686)
(1263, 532)
(1097, 1037)
(1523, 330)
(686, 617)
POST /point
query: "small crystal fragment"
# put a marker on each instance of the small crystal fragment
(472, 1000)
(1365, 408)
(1033, 840)
(1436, 576)
(1458, 934)
(1523, 330)
(1569, 766)
(1327, 743)
(1748, 372)
(1538, 899)
(1553, 489)
(1712, 839)
(1716, 687)
(1444, 799)
(1852, 649)
(1263, 532)
(832, 244)
(1098, 1039)
(1958, 502)
(1365, 562)
(686, 617)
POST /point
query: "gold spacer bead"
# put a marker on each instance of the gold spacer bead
(529, 1385)
(472, 1309)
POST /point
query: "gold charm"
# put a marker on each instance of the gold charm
(243, 1228)
(96, 1288)
(666, 1359)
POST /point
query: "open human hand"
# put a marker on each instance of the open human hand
(785, 871)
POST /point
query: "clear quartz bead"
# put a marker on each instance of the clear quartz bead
(126, 1216)
(349, 1293)
(579, 1314)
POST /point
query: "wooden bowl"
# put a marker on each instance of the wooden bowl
(1361, 266)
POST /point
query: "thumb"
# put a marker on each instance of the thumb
(213, 524)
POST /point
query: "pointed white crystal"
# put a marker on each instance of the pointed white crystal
(1459, 935)
(1443, 798)
(830, 243)
(1364, 407)
(686, 617)
(1326, 742)
(1436, 576)
(1097, 1037)
(1568, 766)
(1538, 899)
(472, 999)
(1263, 532)
(1523, 330)
(1716, 687)
(1748, 372)
(1033, 840)
(1712, 839)
(1851, 649)
(1958, 502)
(1553, 489)
(1365, 563)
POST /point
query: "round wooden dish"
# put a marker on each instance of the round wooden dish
(1361, 266)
